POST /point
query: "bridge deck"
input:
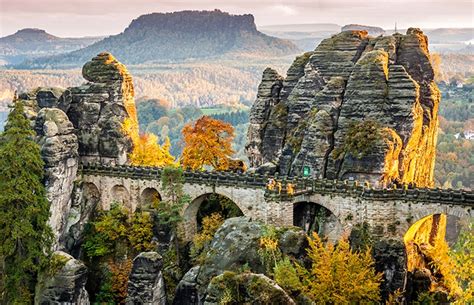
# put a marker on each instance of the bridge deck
(302, 186)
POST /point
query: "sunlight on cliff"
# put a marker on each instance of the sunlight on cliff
(394, 143)
(146, 150)
(428, 252)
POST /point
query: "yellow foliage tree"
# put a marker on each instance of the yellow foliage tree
(210, 224)
(435, 60)
(146, 150)
(207, 142)
(339, 275)
(462, 256)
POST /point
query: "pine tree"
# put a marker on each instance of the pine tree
(25, 237)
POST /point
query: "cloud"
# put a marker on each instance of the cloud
(102, 17)
(285, 10)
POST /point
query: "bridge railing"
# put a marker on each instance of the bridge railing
(153, 173)
(301, 186)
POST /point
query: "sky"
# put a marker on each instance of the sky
(76, 18)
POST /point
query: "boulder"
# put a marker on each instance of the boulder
(245, 288)
(145, 283)
(187, 289)
(63, 283)
(235, 245)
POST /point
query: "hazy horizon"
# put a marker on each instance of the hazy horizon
(78, 18)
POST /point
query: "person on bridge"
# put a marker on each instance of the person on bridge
(271, 184)
(290, 190)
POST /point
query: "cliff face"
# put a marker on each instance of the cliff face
(356, 107)
(81, 124)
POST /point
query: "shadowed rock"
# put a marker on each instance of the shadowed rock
(63, 283)
(146, 284)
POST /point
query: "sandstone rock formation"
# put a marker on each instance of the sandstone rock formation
(351, 84)
(81, 124)
(64, 282)
(59, 147)
(146, 284)
(235, 244)
(99, 109)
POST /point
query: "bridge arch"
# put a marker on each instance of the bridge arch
(314, 217)
(455, 215)
(205, 205)
(119, 194)
(149, 196)
(90, 195)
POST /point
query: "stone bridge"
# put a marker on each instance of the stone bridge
(390, 212)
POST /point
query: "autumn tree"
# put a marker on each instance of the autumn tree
(435, 60)
(462, 256)
(146, 149)
(337, 275)
(25, 237)
(147, 152)
(207, 142)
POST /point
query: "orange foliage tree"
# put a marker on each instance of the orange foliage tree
(207, 142)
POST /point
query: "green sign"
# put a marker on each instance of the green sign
(306, 171)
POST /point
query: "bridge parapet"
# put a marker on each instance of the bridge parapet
(301, 185)
(199, 177)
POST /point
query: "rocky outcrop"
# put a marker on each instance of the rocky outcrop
(234, 245)
(390, 259)
(59, 150)
(63, 282)
(145, 283)
(100, 108)
(267, 100)
(84, 201)
(351, 80)
(187, 289)
(90, 123)
(245, 288)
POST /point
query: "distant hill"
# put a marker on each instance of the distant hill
(310, 27)
(178, 36)
(30, 43)
(445, 35)
(372, 30)
(308, 36)
(305, 36)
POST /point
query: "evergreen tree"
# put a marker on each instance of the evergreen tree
(25, 237)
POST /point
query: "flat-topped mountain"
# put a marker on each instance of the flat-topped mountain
(161, 37)
(28, 43)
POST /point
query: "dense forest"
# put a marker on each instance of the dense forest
(455, 158)
(197, 83)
